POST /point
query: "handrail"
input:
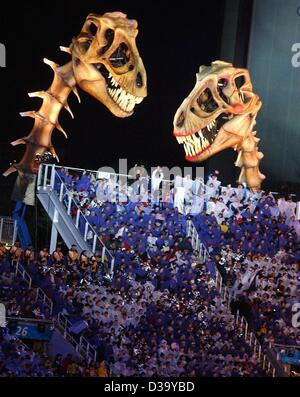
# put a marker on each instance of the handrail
(196, 242)
(225, 293)
(30, 320)
(78, 209)
(42, 181)
(287, 347)
(40, 294)
(84, 348)
(19, 269)
(131, 176)
(106, 172)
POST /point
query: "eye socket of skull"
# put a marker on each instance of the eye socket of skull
(222, 84)
(93, 28)
(244, 88)
(240, 81)
(106, 62)
(109, 37)
(120, 56)
(206, 101)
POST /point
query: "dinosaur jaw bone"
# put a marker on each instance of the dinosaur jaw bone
(203, 143)
(124, 101)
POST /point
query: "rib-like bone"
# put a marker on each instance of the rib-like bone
(45, 119)
(248, 160)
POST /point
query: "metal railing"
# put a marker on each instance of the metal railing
(20, 271)
(83, 347)
(48, 177)
(196, 242)
(226, 295)
(30, 320)
(40, 294)
(255, 345)
(8, 230)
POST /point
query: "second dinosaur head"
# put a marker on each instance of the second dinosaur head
(218, 112)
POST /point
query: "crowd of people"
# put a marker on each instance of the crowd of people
(17, 360)
(160, 314)
(256, 250)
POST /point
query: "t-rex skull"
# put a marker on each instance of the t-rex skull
(218, 113)
(106, 62)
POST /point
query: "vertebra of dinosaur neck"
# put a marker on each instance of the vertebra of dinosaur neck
(45, 119)
(249, 158)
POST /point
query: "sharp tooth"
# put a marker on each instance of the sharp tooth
(208, 127)
(196, 140)
(185, 149)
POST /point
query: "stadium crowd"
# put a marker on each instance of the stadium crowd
(161, 314)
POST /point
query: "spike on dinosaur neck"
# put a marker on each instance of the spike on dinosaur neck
(46, 118)
(248, 160)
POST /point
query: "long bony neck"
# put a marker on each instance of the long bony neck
(45, 119)
(248, 160)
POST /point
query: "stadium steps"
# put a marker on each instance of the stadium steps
(62, 340)
(61, 220)
(58, 202)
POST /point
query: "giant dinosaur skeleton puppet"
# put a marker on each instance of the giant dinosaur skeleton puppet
(105, 63)
(220, 113)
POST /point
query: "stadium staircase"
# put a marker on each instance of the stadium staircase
(63, 340)
(58, 202)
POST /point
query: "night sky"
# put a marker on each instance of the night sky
(174, 38)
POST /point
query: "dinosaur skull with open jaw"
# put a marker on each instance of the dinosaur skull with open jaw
(218, 113)
(106, 62)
